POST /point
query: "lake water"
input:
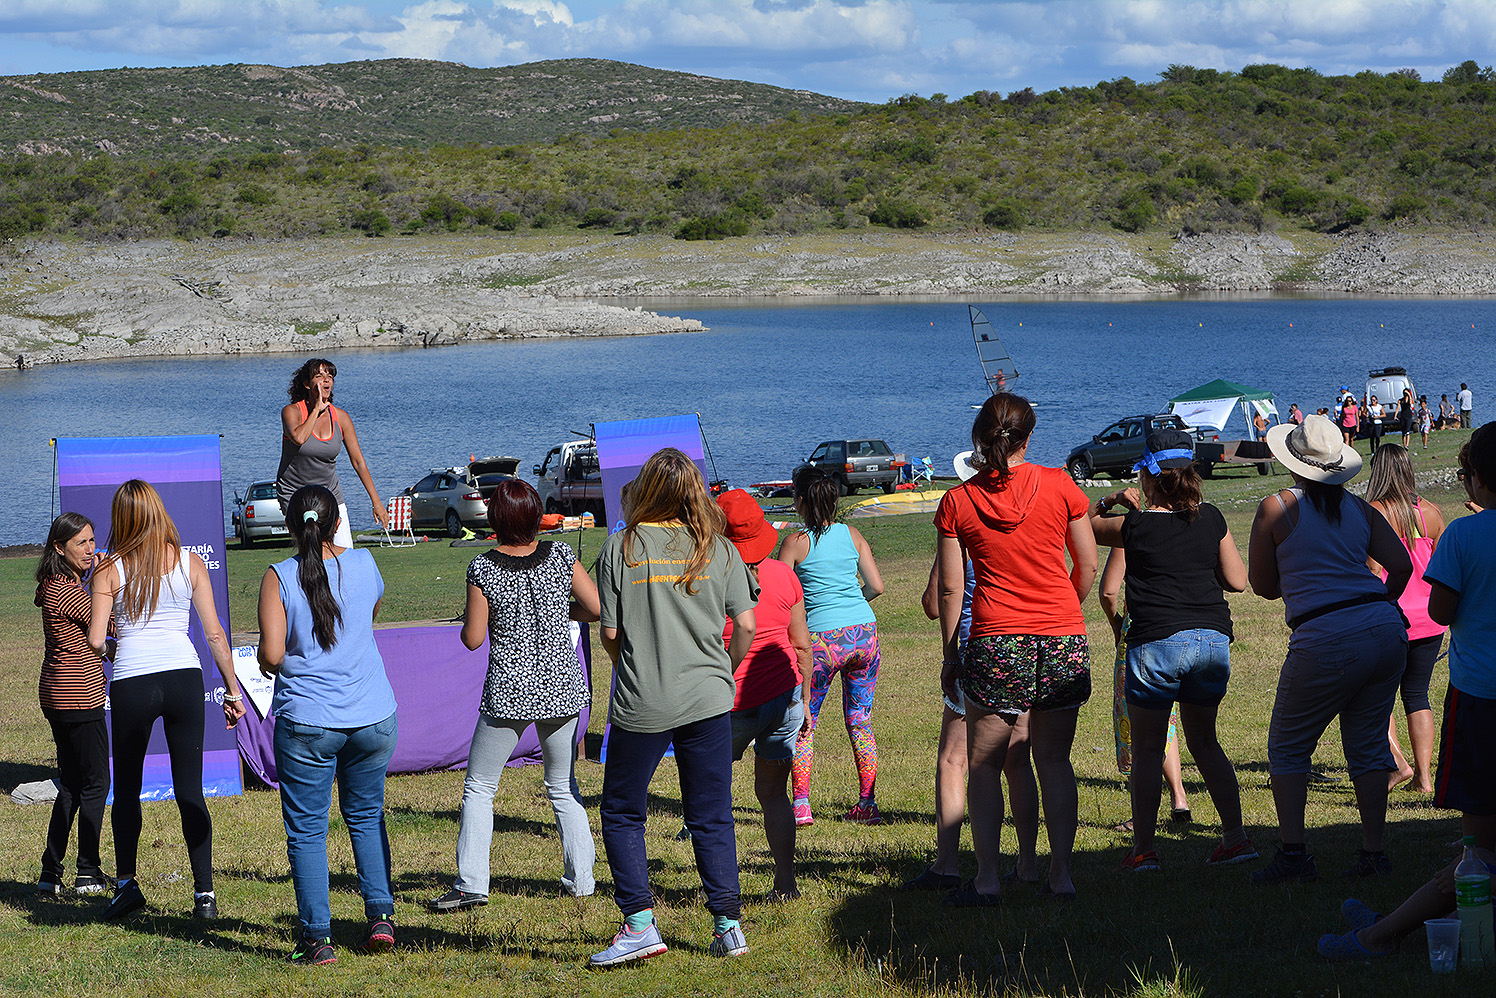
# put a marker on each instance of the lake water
(770, 381)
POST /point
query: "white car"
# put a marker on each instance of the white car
(257, 515)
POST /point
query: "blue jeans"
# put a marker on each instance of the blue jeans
(1191, 666)
(306, 760)
(703, 754)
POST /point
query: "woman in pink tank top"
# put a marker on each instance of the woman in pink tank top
(1389, 491)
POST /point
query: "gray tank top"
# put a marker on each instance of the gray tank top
(1320, 563)
(313, 463)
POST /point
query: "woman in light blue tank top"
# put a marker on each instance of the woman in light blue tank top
(829, 557)
(334, 717)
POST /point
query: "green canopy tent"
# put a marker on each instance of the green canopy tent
(1211, 404)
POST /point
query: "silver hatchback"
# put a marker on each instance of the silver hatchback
(453, 498)
(257, 515)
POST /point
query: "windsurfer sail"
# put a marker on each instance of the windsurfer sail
(997, 366)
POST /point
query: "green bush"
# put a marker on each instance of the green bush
(1006, 214)
(255, 194)
(1134, 211)
(507, 221)
(179, 202)
(442, 208)
(719, 226)
(897, 214)
(1404, 205)
(371, 221)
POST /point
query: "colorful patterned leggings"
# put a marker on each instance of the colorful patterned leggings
(853, 652)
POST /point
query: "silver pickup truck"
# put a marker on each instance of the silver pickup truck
(570, 480)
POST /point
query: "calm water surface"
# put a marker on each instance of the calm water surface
(770, 382)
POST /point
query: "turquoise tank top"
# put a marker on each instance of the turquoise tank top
(833, 597)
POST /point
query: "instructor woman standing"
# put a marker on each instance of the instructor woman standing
(313, 431)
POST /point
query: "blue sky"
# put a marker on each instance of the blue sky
(869, 50)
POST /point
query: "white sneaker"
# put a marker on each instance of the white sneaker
(630, 946)
(729, 943)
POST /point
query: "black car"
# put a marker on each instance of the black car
(1115, 450)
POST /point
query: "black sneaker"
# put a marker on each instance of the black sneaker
(381, 936)
(456, 899)
(97, 883)
(126, 901)
(313, 952)
(1369, 864)
(1287, 866)
(49, 884)
(204, 907)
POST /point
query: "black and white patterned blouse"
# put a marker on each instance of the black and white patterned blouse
(533, 672)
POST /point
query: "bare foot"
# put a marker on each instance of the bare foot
(1398, 777)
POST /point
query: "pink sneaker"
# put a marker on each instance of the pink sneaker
(865, 814)
(802, 813)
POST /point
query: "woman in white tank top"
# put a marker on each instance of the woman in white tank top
(150, 584)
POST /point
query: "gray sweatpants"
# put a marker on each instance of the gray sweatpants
(493, 742)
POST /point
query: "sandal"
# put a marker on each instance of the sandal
(967, 896)
(1045, 891)
(1347, 947)
(1181, 816)
(1123, 826)
(1358, 915)
(929, 880)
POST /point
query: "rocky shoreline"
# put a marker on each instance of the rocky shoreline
(71, 301)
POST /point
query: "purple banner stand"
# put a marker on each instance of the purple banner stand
(187, 474)
(624, 445)
(438, 684)
(622, 448)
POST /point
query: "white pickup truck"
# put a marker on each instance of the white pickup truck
(570, 480)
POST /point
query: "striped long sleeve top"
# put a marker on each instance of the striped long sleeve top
(72, 672)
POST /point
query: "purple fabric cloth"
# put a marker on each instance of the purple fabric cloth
(437, 684)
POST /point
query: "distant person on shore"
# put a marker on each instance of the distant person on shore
(521, 599)
(72, 699)
(1027, 651)
(1446, 413)
(1181, 558)
(951, 763)
(152, 585)
(840, 578)
(1467, 405)
(1259, 425)
(1405, 420)
(1310, 546)
(334, 718)
(666, 583)
(1294, 414)
(1418, 524)
(313, 432)
(1424, 419)
(1462, 575)
(1350, 420)
(1376, 415)
(772, 680)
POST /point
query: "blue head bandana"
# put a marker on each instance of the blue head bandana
(1153, 462)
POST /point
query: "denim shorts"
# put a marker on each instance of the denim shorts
(772, 727)
(1190, 666)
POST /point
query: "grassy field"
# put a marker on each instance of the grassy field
(1190, 930)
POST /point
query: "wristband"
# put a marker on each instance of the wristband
(233, 699)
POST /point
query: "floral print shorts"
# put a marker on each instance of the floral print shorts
(1012, 673)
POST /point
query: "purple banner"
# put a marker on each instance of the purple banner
(624, 445)
(438, 684)
(187, 473)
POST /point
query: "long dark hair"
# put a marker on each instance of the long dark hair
(815, 492)
(1003, 426)
(312, 515)
(1176, 488)
(64, 528)
(1325, 497)
(301, 381)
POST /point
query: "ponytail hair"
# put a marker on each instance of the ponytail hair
(312, 515)
(1002, 427)
(816, 494)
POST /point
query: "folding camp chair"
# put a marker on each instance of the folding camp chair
(924, 471)
(403, 536)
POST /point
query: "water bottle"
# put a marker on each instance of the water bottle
(1472, 892)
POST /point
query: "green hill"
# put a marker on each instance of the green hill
(1198, 150)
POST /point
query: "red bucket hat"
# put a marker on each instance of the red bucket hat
(746, 526)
